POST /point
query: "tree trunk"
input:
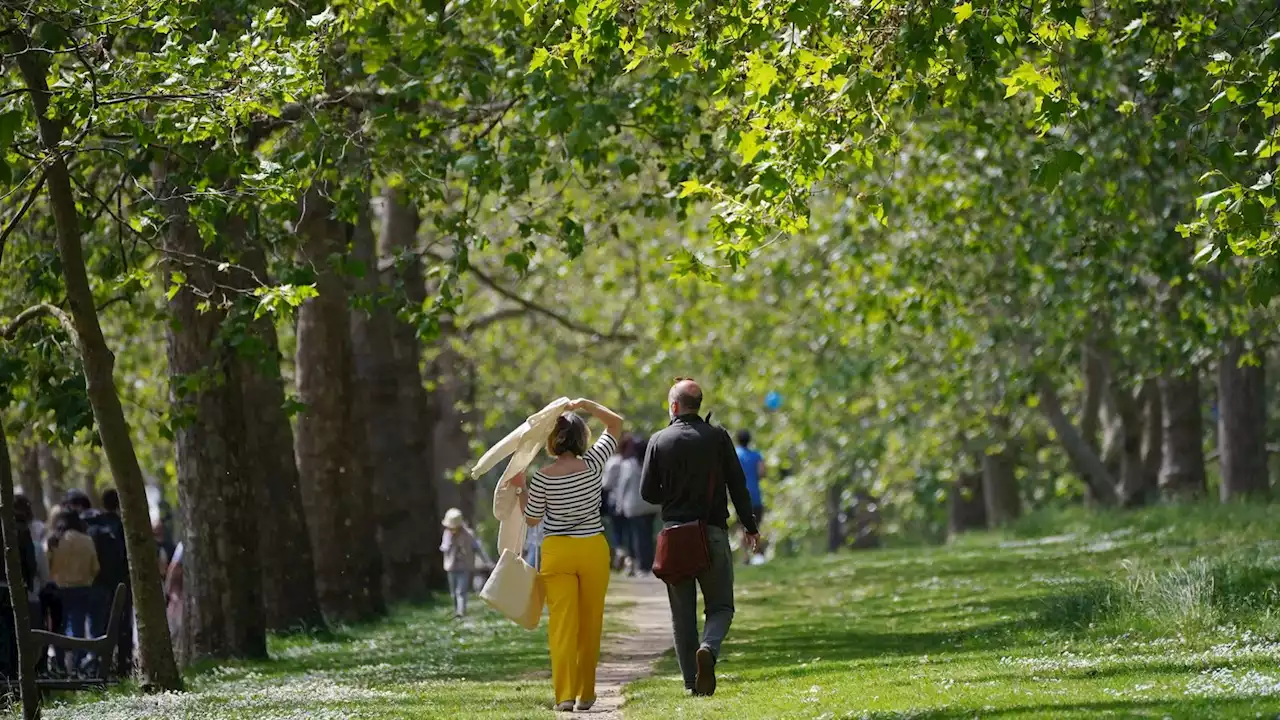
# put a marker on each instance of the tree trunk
(1095, 382)
(835, 526)
(330, 442)
(451, 376)
(414, 410)
(1084, 460)
(222, 592)
(966, 509)
(1242, 424)
(1152, 440)
(17, 588)
(1182, 472)
(54, 473)
(1131, 469)
(1000, 488)
(156, 667)
(29, 479)
(289, 595)
(393, 460)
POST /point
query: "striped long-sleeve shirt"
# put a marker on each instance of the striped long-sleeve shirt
(570, 504)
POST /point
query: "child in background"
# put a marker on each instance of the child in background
(460, 547)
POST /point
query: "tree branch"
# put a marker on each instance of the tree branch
(361, 101)
(36, 311)
(17, 218)
(492, 318)
(534, 306)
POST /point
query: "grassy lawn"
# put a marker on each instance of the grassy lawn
(1168, 613)
(417, 664)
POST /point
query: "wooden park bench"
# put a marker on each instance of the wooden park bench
(103, 647)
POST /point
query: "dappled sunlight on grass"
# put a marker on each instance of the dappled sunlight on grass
(1093, 617)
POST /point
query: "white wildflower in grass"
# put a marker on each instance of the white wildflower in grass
(1224, 682)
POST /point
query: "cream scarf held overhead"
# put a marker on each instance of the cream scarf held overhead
(522, 445)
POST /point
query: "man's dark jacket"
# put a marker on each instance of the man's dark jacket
(680, 459)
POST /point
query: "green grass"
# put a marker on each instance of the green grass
(417, 664)
(1170, 612)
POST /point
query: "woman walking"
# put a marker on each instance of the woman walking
(565, 498)
(640, 513)
(73, 564)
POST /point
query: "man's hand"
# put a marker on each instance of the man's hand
(753, 542)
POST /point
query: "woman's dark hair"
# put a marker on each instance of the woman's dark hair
(22, 509)
(636, 448)
(64, 521)
(569, 436)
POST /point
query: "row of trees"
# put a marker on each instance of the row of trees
(350, 240)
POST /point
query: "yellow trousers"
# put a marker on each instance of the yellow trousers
(575, 572)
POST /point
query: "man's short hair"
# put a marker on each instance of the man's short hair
(744, 438)
(686, 395)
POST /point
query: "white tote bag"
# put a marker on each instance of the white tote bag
(515, 590)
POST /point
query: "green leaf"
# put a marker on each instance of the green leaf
(749, 146)
(761, 76)
(517, 261)
(540, 58)
(1049, 175)
(690, 187)
(10, 122)
(627, 166)
(963, 12)
(1083, 31)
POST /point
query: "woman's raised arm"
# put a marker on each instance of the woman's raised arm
(612, 420)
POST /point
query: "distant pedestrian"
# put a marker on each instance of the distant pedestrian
(753, 469)
(460, 548)
(73, 564)
(615, 524)
(683, 461)
(639, 513)
(120, 554)
(106, 529)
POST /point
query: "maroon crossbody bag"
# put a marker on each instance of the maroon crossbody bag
(682, 552)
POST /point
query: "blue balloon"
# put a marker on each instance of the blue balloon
(773, 400)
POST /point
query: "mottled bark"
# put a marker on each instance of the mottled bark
(835, 524)
(156, 664)
(1000, 488)
(29, 480)
(414, 414)
(393, 462)
(1095, 382)
(1086, 463)
(1182, 473)
(966, 509)
(1242, 424)
(451, 377)
(330, 436)
(1152, 443)
(223, 582)
(1131, 469)
(17, 587)
(53, 472)
(289, 595)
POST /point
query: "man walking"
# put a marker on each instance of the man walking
(677, 467)
(753, 468)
